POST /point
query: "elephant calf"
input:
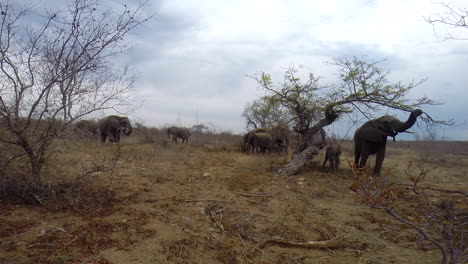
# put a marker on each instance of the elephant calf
(332, 155)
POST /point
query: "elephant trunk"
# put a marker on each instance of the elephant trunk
(409, 123)
(127, 130)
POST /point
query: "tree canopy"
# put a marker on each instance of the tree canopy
(362, 86)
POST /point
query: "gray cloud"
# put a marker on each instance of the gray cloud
(192, 58)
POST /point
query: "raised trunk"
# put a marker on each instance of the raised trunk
(128, 130)
(409, 123)
(306, 150)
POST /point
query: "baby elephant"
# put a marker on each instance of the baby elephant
(333, 155)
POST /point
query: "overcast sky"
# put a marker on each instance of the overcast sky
(193, 57)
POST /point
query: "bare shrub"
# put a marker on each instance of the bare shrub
(64, 186)
(436, 214)
(147, 135)
(52, 73)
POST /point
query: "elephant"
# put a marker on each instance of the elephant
(110, 126)
(318, 140)
(280, 136)
(86, 127)
(371, 138)
(332, 154)
(179, 132)
(263, 142)
(247, 145)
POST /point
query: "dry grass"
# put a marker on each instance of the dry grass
(206, 202)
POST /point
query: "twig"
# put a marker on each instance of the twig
(435, 189)
(200, 200)
(38, 199)
(336, 242)
(217, 218)
(255, 194)
(217, 239)
(76, 237)
(240, 238)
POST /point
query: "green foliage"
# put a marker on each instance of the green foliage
(363, 86)
(264, 112)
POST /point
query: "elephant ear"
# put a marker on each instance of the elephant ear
(375, 131)
(386, 128)
(387, 125)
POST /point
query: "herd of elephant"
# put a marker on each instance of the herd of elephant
(370, 138)
(276, 140)
(111, 127)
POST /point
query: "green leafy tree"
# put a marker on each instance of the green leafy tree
(262, 113)
(363, 86)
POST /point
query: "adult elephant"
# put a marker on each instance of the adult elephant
(263, 142)
(247, 144)
(110, 126)
(371, 138)
(86, 128)
(280, 136)
(179, 132)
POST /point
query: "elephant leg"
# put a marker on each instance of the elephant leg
(325, 161)
(357, 156)
(103, 136)
(117, 136)
(248, 148)
(113, 135)
(174, 139)
(380, 156)
(337, 162)
(364, 157)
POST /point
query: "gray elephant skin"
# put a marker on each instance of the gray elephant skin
(247, 144)
(86, 127)
(263, 142)
(111, 126)
(179, 132)
(280, 136)
(332, 155)
(371, 138)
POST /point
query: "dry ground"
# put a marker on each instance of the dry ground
(213, 204)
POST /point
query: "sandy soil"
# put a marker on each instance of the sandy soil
(185, 204)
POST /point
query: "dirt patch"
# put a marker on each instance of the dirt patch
(185, 204)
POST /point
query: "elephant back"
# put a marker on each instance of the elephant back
(319, 139)
(263, 138)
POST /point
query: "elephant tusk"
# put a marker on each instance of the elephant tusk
(406, 131)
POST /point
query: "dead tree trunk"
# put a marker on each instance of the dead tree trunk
(306, 150)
